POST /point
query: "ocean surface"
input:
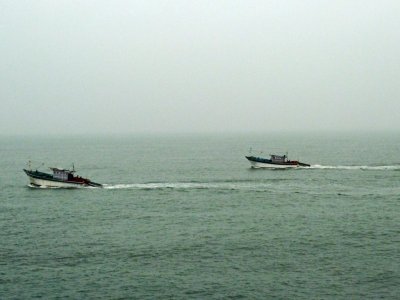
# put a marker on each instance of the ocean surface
(185, 217)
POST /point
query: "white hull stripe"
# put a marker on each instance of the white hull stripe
(255, 164)
(49, 183)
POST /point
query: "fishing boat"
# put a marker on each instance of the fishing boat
(275, 161)
(61, 178)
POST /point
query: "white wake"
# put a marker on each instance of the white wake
(171, 185)
(376, 168)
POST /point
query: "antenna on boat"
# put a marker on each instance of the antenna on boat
(30, 165)
(73, 167)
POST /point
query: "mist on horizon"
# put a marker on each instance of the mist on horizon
(100, 67)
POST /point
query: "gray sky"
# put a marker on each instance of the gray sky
(198, 66)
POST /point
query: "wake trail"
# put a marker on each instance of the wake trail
(376, 168)
(171, 185)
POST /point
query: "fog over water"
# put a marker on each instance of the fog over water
(78, 67)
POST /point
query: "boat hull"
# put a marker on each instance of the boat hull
(258, 163)
(48, 183)
(39, 179)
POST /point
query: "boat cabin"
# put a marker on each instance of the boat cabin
(62, 174)
(278, 158)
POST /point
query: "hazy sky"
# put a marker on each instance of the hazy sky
(198, 66)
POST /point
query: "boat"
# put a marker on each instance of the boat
(61, 178)
(275, 161)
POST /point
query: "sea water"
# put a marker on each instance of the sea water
(185, 217)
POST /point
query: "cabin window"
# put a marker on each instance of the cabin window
(278, 158)
(60, 175)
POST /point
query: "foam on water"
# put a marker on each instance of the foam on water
(172, 185)
(62, 188)
(43, 187)
(375, 168)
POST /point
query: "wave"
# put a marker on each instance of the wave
(376, 168)
(41, 187)
(60, 187)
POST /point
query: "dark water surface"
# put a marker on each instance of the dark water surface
(185, 217)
